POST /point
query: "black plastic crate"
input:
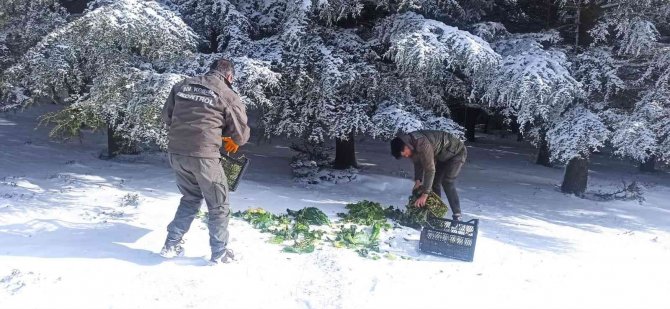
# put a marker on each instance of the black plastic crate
(234, 169)
(450, 238)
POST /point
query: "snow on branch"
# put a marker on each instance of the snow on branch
(24, 23)
(426, 46)
(455, 10)
(523, 42)
(130, 101)
(324, 88)
(489, 31)
(658, 70)
(392, 118)
(219, 22)
(123, 33)
(535, 83)
(654, 107)
(335, 10)
(296, 22)
(576, 134)
(634, 139)
(634, 35)
(596, 70)
(255, 79)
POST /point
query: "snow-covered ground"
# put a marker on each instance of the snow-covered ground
(68, 239)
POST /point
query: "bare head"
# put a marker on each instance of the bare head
(399, 149)
(224, 67)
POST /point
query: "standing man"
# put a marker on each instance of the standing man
(438, 157)
(198, 112)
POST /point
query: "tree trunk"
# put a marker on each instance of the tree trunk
(543, 154)
(576, 176)
(113, 143)
(116, 145)
(74, 6)
(648, 165)
(213, 41)
(578, 21)
(345, 153)
(471, 115)
(548, 18)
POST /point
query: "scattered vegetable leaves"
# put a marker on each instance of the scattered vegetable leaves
(361, 240)
(364, 212)
(361, 232)
(310, 215)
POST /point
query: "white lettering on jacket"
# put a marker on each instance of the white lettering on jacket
(196, 98)
(199, 90)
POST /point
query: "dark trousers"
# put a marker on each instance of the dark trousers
(198, 179)
(445, 177)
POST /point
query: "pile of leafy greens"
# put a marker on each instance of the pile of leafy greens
(416, 217)
(295, 228)
(359, 229)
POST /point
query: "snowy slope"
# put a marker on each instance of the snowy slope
(67, 240)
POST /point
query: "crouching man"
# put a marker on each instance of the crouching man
(438, 157)
(198, 112)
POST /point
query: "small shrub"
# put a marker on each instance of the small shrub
(130, 199)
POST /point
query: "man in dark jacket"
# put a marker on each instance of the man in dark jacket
(198, 112)
(438, 157)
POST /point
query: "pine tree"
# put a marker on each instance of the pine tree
(575, 75)
(22, 25)
(632, 31)
(113, 67)
(92, 64)
(338, 84)
(585, 76)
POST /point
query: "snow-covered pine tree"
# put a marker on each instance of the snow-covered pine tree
(336, 82)
(635, 32)
(535, 84)
(224, 28)
(22, 25)
(434, 67)
(113, 68)
(325, 87)
(330, 69)
(333, 63)
(92, 63)
(642, 131)
(608, 44)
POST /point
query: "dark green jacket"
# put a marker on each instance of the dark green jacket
(428, 147)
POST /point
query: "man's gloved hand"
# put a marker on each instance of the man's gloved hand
(229, 145)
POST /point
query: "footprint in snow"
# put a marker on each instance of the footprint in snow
(18, 280)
